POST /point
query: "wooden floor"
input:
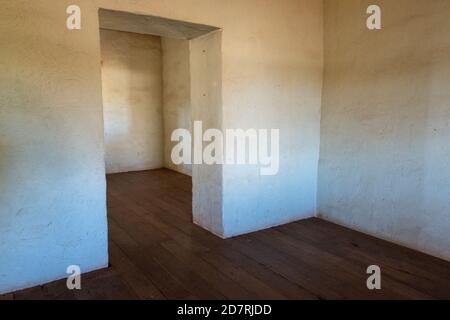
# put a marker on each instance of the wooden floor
(157, 253)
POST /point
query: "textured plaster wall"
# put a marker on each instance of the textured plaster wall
(132, 101)
(273, 65)
(176, 95)
(385, 155)
(52, 172)
(52, 199)
(206, 103)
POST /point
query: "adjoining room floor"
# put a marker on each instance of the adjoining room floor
(156, 253)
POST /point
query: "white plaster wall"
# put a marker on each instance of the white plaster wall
(52, 156)
(132, 101)
(384, 161)
(176, 96)
(206, 104)
(272, 79)
(272, 65)
(52, 172)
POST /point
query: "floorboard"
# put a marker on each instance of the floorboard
(156, 252)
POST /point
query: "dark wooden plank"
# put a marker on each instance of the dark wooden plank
(314, 282)
(165, 282)
(156, 252)
(404, 270)
(353, 276)
(132, 275)
(172, 264)
(229, 288)
(258, 288)
(277, 281)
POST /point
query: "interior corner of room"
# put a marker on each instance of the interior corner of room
(87, 177)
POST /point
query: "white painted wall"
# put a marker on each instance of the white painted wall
(51, 124)
(176, 95)
(52, 171)
(272, 79)
(206, 103)
(132, 101)
(384, 161)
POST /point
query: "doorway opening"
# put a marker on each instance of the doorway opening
(159, 75)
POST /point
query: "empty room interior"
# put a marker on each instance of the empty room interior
(225, 150)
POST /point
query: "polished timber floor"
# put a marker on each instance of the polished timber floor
(156, 252)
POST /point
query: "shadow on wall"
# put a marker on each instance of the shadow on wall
(383, 167)
(132, 101)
